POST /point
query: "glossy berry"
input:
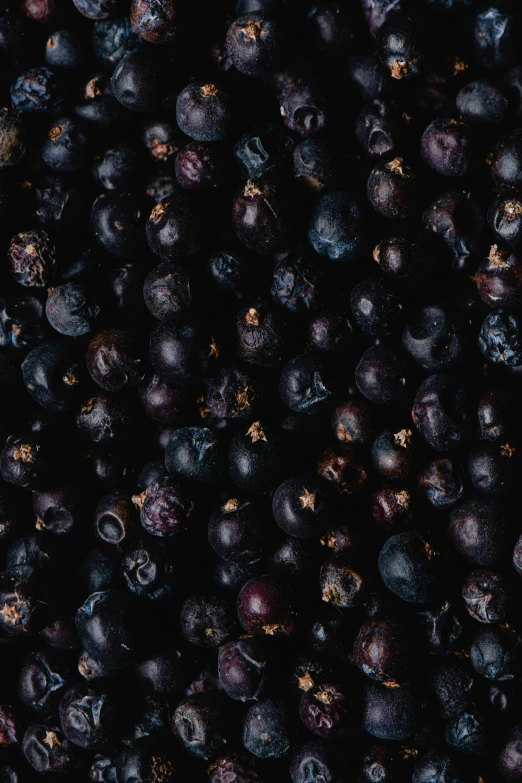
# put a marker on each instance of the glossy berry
(381, 651)
(204, 112)
(260, 217)
(114, 224)
(161, 400)
(113, 361)
(242, 669)
(394, 453)
(381, 375)
(65, 146)
(265, 607)
(491, 468)
(254, 43)
(173, 229)
(393, 508)
(409, 567)
(137, 82)
(53, 375)
(237, 532)
(392, 189)
(257, 457)
(481, 101)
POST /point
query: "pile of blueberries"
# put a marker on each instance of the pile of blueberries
(260, 381)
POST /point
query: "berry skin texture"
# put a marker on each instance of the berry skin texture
(137, 81)
(469, 733)
(195, 453)
(166, 291)
(31, 259)
(266, 731)
(392, 189)
(409, 567)
(260, 335)
(440, 412)
(446, 147)
(390, 713)
(377, 307)
(207, 621)
(302, 386)
(36, 91)
(241, 669)
(204, 112)
(506, 162)
(434, 338)
(113, 361)
(442, 483)
(324, 710)
(173, 228)
(400, 47)
(381, 651)
(199, 722)
(381, 375)
(481, 102)
(53, 376)
(114, 224)
(154, 20)
(257, 458)
(166, 508)
(480, 533)
(341, 585)
(261, 217)
(437, 765)
(87, 715)
(500, 338)
(65, 146)
(303, 108)
(486, 596)
(254, 43)
(236, 531)
(22, 460)
(12, 145)
(71, 310)
(505, 218)
(265, 608)
(336, 230)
